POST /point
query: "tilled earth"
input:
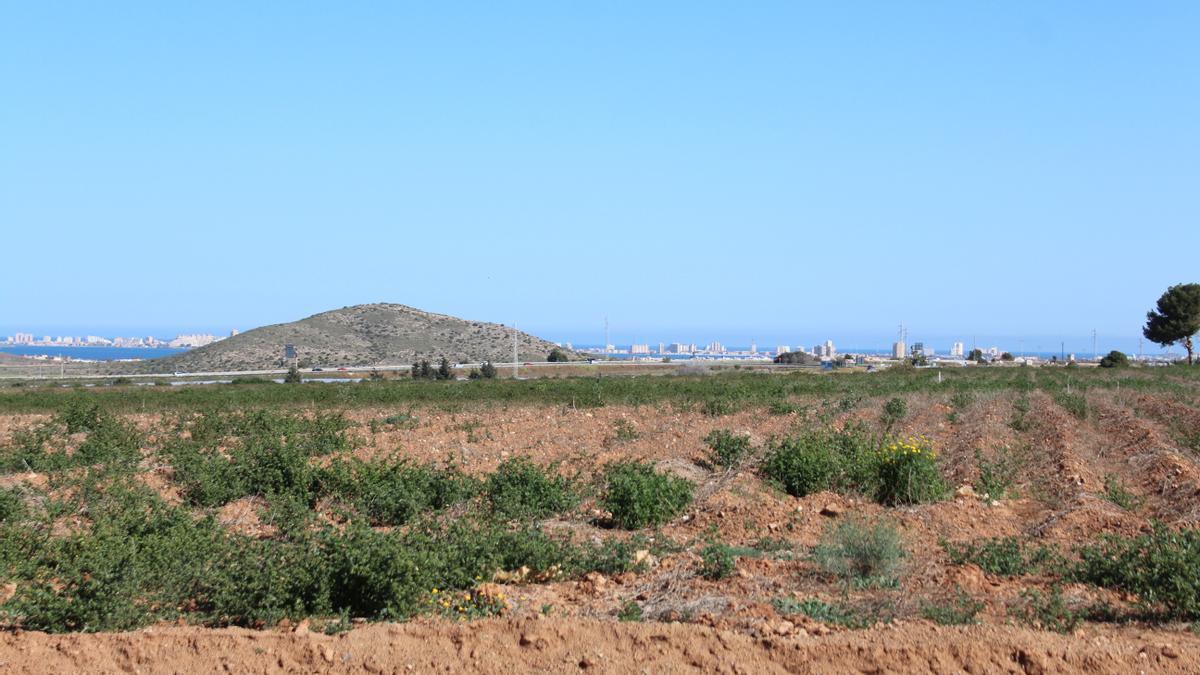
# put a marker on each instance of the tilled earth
(1064, 465)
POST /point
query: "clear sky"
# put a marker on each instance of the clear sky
(692, 170)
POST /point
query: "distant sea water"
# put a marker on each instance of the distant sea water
(92, 353)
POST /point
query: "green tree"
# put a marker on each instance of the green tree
(1176, 317)
(975, 355)
(1114, 359)
(557, 356)
(293, 376)
(1006, 356)
(444, 371)
(487, 371)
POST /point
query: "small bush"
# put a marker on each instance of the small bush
(293, 376)
(1114, 359)
(630, 611)
(1048, 611)
(861, 552)
(802, 464)
(717, 407)
(1115, 492)
(996, 475)
(1005, 556)
(1075, 404)
(520, 489)
(717, 561)
(908, 474)
(824, 612)
(1162, 568)
(638, 496)
(727, 449)
(894, 411)
(961, 610)
(624, 431)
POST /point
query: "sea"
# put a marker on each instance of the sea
(91, 353)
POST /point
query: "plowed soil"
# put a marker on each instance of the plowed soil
(1064, 467)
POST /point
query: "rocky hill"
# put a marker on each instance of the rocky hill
(362, 335)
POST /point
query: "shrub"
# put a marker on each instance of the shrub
(717, 407)
(293, 376)
(557, 355)
(12, 506)
(961, 610)
(727, 449)
(908, 474)
(717, 561)
(861, 552)
(824, 612)
(996, 475)
(1115, 492)
(624, 431)
(79, 415)
(630, 611)
(520, 489)
(1162, 568)
(395, 492)
(1075, 404)
(802, 464)
(1048, 611)
(894, 411)
(1005, 556)
(1114, 359)
(637, 496)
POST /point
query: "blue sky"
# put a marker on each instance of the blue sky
(693, 170)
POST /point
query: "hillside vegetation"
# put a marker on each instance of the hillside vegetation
(362, 335)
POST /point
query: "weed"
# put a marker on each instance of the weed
(624, 431)
(861, 552)
(893, 411)
(1115, 492)
(1162, 568)
(1076, 404)
(717, 561)
(957, 611)
(520, 489)
(908, 474)
(802, 464)
(823, 612)
(717, 407)
(727, 449)
(1005, 556)
(637, 496)
(996, 475)
(630, 611)
(1048, 611)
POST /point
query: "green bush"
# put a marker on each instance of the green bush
(1162, 568)
(824, 612)
(637, 496)
(393, 492)
(802, 464)
(630, 611)
(1114, 359)
(1048, 611)
(520, 489)
(960, 610)
(908, 474)
(1005, 556)
(717, 561)
(861, 552)
(727, 449)
(1075, 404)
(894, 411)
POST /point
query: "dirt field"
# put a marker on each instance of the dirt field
(1112, 470)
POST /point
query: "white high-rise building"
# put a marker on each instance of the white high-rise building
(957, 350)
(782, 349)
(829, 350)
(898, 349)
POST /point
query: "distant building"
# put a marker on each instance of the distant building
(956, 350)
(639, 349)
(196, 340)
(23, 338)
(233, 333)
(715, 347)
(782, 349)
(898, 349)
(829, 350)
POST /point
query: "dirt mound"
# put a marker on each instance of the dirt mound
(559, 646)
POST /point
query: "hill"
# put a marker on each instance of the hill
(363, 335)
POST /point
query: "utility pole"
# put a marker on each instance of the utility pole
(606, 338)
(1094, 344)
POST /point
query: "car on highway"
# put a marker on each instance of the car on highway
(317, 370)
(342, 370)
